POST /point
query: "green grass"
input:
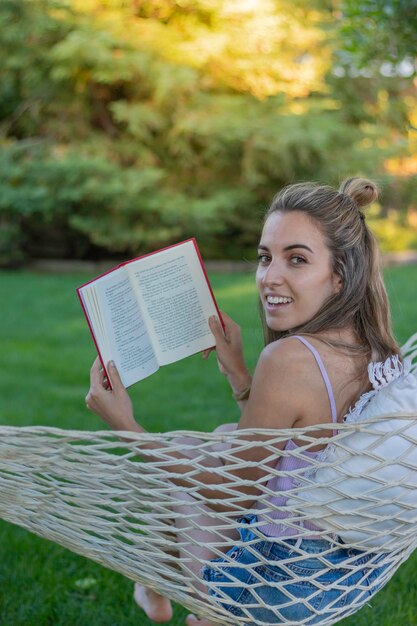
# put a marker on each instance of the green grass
(46, 353)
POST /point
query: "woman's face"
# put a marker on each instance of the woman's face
(294, 276)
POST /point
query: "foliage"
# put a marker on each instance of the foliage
(393, 236)
(381, 30)
(127, 125)
(28, 29)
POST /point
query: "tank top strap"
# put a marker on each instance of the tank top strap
(323, 373)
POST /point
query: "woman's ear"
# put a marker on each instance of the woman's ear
(337, 283)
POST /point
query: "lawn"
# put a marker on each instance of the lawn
(46, 353)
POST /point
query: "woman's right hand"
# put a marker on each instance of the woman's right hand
(229, 351)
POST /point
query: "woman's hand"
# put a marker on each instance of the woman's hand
(229, 351)
(113, 405)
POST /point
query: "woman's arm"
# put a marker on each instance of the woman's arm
(230, 359)
(273, 403)
(116, 409)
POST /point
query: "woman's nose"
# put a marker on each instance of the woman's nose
(273, 275)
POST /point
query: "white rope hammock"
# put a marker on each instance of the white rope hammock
(99, 497)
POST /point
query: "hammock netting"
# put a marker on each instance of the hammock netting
(109, 501)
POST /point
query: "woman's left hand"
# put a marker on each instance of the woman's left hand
(114, 406)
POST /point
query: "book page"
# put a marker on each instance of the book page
(178, 302)
(128, 341)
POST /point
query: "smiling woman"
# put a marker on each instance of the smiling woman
(326, 316)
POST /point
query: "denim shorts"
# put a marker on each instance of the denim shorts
(305, 590)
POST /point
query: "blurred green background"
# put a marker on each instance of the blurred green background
(126, 125)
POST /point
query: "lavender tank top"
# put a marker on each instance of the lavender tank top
(292, 464)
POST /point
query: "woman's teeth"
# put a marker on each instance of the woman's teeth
(278, 300)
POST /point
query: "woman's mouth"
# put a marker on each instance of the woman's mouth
(277, 302)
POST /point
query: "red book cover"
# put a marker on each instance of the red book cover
(121, 265)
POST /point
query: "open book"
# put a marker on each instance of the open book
(150, 311)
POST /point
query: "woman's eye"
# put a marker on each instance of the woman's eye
(297, 260)
(263, 258)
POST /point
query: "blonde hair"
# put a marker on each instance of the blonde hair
(362, 300)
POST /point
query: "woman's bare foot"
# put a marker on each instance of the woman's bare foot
(192, 620)
(156, 607)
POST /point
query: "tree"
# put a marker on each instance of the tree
(127, 125)
(378, 31)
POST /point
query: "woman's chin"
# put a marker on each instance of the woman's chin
(280, 324)
(278, 327)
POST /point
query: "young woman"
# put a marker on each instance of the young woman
(325, 315)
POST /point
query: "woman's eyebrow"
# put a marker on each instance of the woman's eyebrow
(298, 245)
(290, 247)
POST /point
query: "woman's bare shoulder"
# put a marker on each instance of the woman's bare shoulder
(288, 353)
(275, 399)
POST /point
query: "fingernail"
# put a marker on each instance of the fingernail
(112, 364)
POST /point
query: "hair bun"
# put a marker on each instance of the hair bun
(361, 190)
